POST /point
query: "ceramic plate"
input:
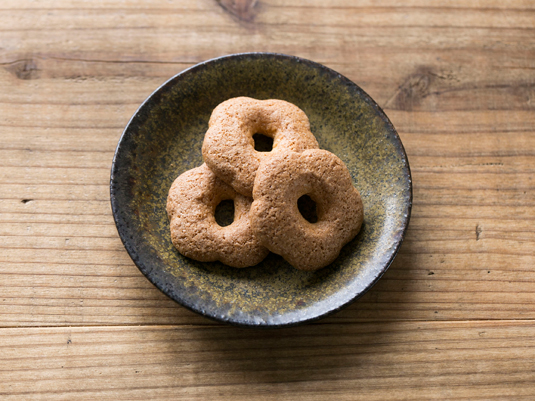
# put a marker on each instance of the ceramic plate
(163, 139)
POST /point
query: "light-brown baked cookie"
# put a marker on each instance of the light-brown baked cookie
(280, 181)
(229, 148)
(191, 205)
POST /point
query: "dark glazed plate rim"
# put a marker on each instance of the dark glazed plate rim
(123, 226)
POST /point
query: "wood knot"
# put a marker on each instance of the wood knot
(24, 69)
(479, 230)
(413, 89)
(241, 9)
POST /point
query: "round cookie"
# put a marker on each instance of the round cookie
(229, 148)
(280, 181)
(191, 205)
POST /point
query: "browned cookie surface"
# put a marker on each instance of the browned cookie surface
(284, 178)
(191, 205)
(229, 148)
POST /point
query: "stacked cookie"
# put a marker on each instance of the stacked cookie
(265, 188)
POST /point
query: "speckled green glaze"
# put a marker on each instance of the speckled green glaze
(163, 139)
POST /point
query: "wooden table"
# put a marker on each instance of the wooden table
(454, 316)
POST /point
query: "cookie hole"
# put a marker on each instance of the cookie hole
(224, 213)
(307, 208)
(262, 143)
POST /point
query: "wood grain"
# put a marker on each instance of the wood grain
(453, 317)
(371, 361)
